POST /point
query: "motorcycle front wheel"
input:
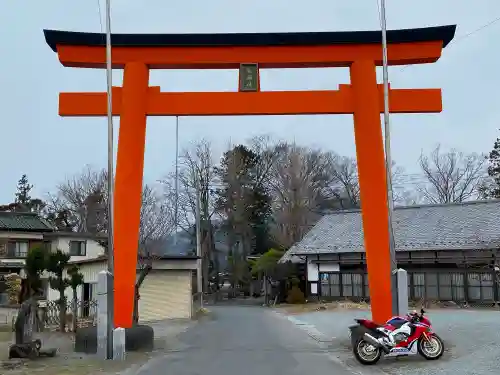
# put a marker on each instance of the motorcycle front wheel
(366, 353)
(431, 349)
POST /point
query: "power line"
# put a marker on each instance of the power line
(463, 37)
(486, 25)
(99, 13)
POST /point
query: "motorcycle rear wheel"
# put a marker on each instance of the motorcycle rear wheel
(366, 353)
(432, 349)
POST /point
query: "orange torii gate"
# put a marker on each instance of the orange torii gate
(361, 51)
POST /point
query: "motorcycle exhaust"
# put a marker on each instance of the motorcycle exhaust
(372, 340)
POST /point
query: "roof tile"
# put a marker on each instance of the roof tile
(23, 221)
(470, 225)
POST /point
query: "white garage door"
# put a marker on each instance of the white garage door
(165, 294)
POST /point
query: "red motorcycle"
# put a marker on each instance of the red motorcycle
(399, 336)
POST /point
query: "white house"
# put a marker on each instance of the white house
(81, 247)
(19, 232)
(167, 291)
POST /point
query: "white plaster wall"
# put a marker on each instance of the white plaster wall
(329, 267)
(89, 272)
(94, 249)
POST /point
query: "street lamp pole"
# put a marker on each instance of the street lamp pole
(176, 208)
(388, 158)
(109, 79)
(199, 270)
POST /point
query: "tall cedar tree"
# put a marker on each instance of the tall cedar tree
(494, 170)
(23, 196)
(237, 172)
(23, 201)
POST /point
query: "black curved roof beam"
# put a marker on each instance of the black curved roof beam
(269, 50)
(427, 34)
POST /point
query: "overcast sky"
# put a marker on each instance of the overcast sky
(36, 141)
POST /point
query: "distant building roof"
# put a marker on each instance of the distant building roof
(78, 235)
(455, 226)
(23, 222)
(102, 258)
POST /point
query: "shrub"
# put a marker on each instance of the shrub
(295, 296)
(13, 284)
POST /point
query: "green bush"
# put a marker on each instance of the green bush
(295, 296)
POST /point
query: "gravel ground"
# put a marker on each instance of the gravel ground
(67, 362)
(472, 339)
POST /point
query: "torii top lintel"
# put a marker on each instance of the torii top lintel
(269, 50)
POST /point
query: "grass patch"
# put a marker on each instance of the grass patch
(202, 312)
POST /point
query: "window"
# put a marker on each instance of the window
(17, 249)
(330, 284)
(77, 248)
(445, 289)
(352, 285)
(480, 286)
(437, 286)
(418, 285)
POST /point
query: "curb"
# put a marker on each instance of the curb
(310, 329)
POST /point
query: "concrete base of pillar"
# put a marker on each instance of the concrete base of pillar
(118, 344)
(402, 287)
(139, 337)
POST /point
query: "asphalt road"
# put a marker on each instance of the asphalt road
(245, 340)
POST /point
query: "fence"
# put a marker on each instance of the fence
(86, 314)
(463, 286)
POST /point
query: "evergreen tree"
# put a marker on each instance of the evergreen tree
(494, 170)
(244, 199)
(23, 197)
(23, 200)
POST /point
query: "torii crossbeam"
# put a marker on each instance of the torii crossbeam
(361, 51)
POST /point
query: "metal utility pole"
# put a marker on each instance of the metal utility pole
(176, 208)
(388, 158)
(199, 275)
(109, 76)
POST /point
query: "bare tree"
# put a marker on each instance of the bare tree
(451, 176)
(82, 198)
(196, 170)
(305, 182)
(269, 152)
(345, 184)
(81, 201)
(157, 219)
(297, 183)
